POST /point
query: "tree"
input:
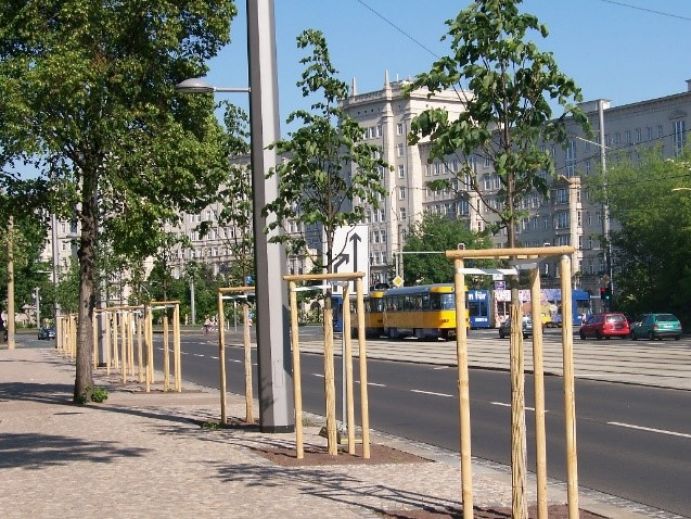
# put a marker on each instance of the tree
(506, 84)
(328, 166)
(327, 180)
(437, 233)
(652, 238)
(88, 95)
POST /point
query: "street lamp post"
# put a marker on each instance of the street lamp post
(275, 397)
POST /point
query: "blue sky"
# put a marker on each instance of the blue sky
(612, 51)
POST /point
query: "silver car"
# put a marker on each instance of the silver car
(505, 327)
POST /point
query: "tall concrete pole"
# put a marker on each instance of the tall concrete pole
(605, 203)
(10, 284)
(275, 379)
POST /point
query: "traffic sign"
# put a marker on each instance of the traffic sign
(351, 252)
(397, 281)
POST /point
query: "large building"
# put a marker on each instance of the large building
(567, 217)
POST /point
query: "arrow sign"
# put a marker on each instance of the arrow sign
(353, 243)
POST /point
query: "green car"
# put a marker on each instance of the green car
(656, 326)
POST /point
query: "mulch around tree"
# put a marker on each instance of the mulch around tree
(318, 456)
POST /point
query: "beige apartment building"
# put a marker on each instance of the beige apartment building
(567, 217)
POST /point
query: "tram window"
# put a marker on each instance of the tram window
(447, 301)
(425, 302)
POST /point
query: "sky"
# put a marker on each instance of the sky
(612, 51)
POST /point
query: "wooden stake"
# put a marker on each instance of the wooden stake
(297, 377)
(222, 357)
(166, 355)
(249, 399)
(362, 352)
(348, 354)
(116, 355)
(176, 348)
(539, 380)
(519, 501)
(140, 367)
(106, 338)
(123, 347)
(463, 390)
(569, 387)
(130, 341)
(94, 339)
(149, 349)
(329, 383)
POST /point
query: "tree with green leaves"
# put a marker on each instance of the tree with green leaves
(327, 180)
(88, 96)
(437, 233)
(506, 85)
(652, 236)
(330, 175)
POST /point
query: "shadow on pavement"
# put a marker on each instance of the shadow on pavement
(35, 451)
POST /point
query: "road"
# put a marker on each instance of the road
(633, 441)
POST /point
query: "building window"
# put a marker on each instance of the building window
(399, 149)
(587, 167)
(638, 135)
(401, 171)
(487, 161)
(399, 129)
(401, 193)
(649, 133)
(679, 135)
(660, 131)
(571, 159)
(627, 136)
(562, 196)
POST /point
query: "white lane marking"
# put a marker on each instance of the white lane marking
(317, 375)
(649, 429)
(215, 358)
(431, 393)
(440, 367)
(373, 384)
(235, 361)
(504, 404)
(198, 355)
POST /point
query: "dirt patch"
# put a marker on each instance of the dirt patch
(318, 456)
(554, 512)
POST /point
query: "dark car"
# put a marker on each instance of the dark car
(505, 327)
(605, 325)
(656, 326)
(46, 333)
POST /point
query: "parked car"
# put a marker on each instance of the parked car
(656, 326)
(46, 333)
(505, 327)
(605, 325)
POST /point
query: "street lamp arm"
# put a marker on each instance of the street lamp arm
(197, 85)
(593, 142)
(681, 189)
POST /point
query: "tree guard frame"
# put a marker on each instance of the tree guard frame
(329, 364)
(530, 253)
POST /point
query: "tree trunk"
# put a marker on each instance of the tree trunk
(83, 382)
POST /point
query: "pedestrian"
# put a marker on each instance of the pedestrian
(207, 325)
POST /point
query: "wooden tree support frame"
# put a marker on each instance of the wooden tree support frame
(120, 325)
(222, 295)
(564, 253)
(155, 306)
(329, 388)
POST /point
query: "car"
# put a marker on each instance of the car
(656, 326)
(505, 327)
(606, 325)
(46, 333)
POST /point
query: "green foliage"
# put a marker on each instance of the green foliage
(92, 394)
(652, 238)
(437, 233)
(88, 98)
(236, 196)
(506, 85)
(330, 177)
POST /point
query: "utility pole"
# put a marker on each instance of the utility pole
(56, 263)
(605, 204)
(10, 284)
(38, 308)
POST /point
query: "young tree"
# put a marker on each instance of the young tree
(88, 93)
(437, 233)
(506, 84)
(328, 178)
(328, 167)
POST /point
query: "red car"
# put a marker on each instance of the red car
(605, 325)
